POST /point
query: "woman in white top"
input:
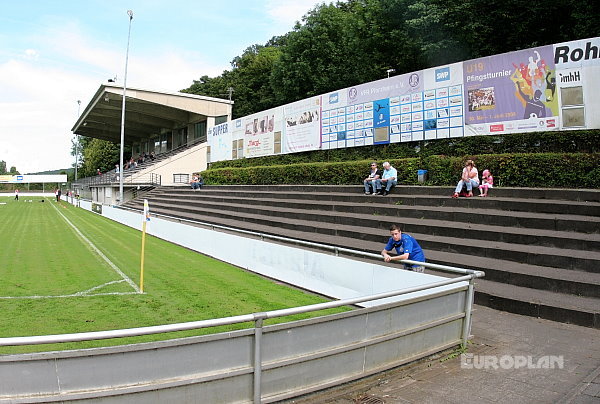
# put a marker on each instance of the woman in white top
(470, 178)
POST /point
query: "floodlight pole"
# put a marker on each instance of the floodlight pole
(77, 139)
(130, 14)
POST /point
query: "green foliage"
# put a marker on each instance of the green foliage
(99, 154)
(354, 41)
(569, 170)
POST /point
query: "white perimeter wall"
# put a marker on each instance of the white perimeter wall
(326, 274)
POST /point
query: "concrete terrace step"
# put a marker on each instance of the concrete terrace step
(582, 195)
(580, 208)
(442, 231)
(535, 303)
(542, 221)
(551, 305)
(535, 245)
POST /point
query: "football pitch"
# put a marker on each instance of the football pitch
(67, 270)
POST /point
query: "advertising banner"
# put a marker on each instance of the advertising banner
(577, 81)
(33, 179)
(259, 133)
(333, 133)
(443, 102)
(219, 139)
(370, 113)
(303, 125)
(511, 92)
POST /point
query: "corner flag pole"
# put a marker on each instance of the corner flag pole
(145, 219)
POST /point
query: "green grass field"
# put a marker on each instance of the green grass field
(66, 270)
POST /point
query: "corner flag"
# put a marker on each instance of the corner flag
(146, 211)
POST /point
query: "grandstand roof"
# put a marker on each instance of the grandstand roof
(147, 112)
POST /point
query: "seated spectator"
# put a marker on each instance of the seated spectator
(487, 182)
(469, 178)
(196, 182)
(372, 180)
(388, 180)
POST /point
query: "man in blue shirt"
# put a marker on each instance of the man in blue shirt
(406, 247)
(388, 179)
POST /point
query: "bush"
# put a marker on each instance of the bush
(569, 170)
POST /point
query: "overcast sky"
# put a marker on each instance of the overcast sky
(56, 52)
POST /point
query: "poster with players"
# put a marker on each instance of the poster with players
(512, 92)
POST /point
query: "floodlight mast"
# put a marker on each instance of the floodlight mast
(130, 14)
(77, 139)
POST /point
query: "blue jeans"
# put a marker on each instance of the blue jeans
(470, 184)
(388, 184)
(372, 184)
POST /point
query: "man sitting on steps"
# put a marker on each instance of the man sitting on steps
(388, 180)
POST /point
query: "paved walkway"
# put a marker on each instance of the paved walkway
(497, 335)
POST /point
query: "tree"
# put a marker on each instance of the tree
(99, 154)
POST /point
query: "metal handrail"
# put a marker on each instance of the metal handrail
(259, 317)
(444, 268)
(193, 325)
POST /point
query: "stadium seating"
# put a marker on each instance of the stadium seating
(540, 248)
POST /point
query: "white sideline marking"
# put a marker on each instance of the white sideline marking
(78, 294)
(104, 257)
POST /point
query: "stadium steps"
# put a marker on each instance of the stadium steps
(549, 260)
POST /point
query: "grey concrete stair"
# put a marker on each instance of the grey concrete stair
(547, 251)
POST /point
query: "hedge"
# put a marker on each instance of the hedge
(567, 170)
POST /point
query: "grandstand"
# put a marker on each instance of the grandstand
(540, 249)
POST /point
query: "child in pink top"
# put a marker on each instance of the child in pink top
(487, 181)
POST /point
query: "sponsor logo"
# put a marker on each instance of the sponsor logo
(333, 98)
(238, 123)
(220, 130)
(565, 54)
(19, 178)
(413, 80)
(352, 93)
(442, 74)
(496, 128)
(569, 78)
(551, 123)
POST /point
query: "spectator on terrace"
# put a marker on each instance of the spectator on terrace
(372, 180)
(469, 178)
(196, 182)
(407, 248)
(487, 182)
(388, 180)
